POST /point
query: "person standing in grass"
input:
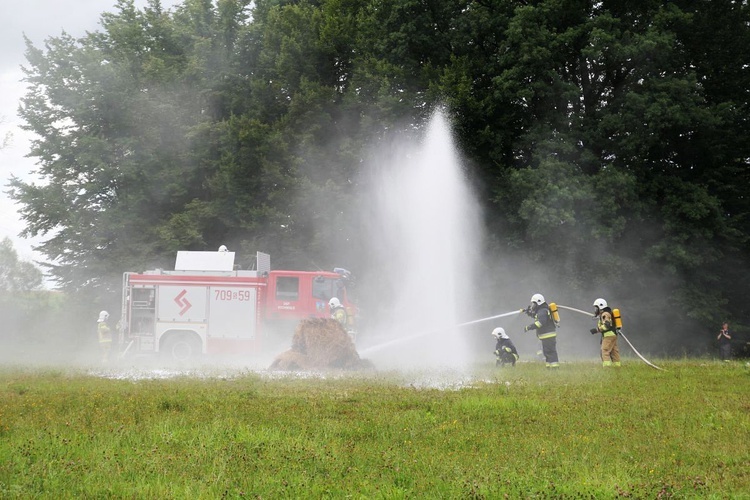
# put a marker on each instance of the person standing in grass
(725, 342)
(545, 327)
(105, 335)
(606, 326)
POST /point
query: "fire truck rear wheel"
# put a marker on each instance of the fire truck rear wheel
(181, 348)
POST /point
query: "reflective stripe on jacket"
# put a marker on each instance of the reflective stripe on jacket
(543, 324)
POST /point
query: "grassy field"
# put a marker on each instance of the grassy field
(581, 432)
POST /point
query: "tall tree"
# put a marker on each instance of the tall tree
(601, 113)
(116, 114)
(17, 275)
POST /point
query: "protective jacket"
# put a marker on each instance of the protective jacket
(506, 352)
(339, 314)
(605, 323)
(105, 334)
(543, 323)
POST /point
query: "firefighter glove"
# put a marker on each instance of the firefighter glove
(497, 353)
(526, 328)
(593, 331)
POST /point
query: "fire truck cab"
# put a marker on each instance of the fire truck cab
(206, 306)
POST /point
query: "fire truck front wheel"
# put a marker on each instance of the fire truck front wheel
(181, 347)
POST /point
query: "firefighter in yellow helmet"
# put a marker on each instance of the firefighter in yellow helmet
(606, 326)
(546, 329)
(105, 335)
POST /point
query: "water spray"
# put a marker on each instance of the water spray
(423, 223)
(489, 318)
(400, 340)
(621, 335)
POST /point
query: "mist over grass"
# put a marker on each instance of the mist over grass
(509, 279)
(581, 431)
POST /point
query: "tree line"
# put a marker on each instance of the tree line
(605, 139)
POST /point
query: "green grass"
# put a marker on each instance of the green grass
(582, 432)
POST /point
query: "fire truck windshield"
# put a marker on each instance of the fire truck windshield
(326, 288)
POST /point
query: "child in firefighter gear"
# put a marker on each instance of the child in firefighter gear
(725, 342)
(505, 351)
(545, 327)
(105, 335)
(606, 326)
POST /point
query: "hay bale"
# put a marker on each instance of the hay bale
(319, 343)
(289, 360)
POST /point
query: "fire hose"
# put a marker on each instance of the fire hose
(400, 340)
(621, 335)
(488, 318)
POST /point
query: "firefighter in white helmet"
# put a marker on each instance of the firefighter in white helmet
(505, 351)
(105, 335)
(546, 329)
(337, 311)
(340, 314)
(606, 326)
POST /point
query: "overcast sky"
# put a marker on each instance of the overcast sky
(38, 20)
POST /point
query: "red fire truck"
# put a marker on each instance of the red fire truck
(206, 306)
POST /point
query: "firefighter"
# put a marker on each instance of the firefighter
(606, 326)
(505, 351)
(338, 312)
(105, 335)
(545, 327)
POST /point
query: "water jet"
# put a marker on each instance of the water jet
(425, 230)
